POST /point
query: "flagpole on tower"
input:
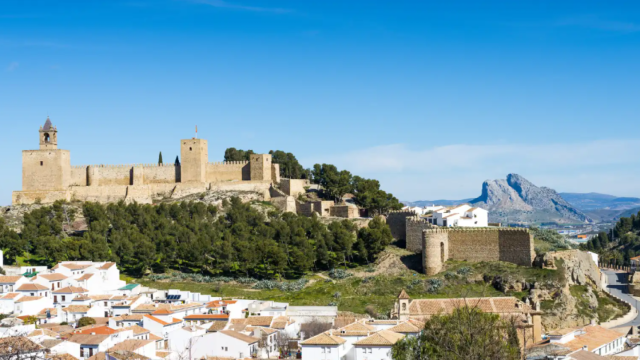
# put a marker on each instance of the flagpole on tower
(196, 131)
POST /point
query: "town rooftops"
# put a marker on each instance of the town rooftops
(43, 332)
(496, 305)
(73, 266)
(107, 266)
(97, 330)
(85, 277)
(9, 279)
(325, 338)
(130, 344)
(406, 328)
(10, 296)
(32, 287)
(118, 355)
(217, 326)
(76, 309)
(86, 339)
(52, 277)
(355, 329)
(242, 337)
(126, 317)
(592, 336)
(70, 290)
(64, 356)
(224, 317)
(29, 298)
(381, 338)
(137, 330)
(162, 322)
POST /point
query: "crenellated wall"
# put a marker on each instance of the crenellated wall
(108, 175)
(160, 174)
(514, 245)
(228, 171)
(78, 175)
(397, 221)
(414, 227)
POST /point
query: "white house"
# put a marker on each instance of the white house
(7, 302)
(353, 333)
(183, 340)
(59, 347)
(225, 343)
(52, 281)
(377, 346)
(33, 289)
(65, 295)
(461, 215)
(593, 338)
(91, 344)
(31, 305)
(324, 346)
(142, 347)
(160, 327)
(10, 283)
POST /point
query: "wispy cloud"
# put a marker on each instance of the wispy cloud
(12, 66)
(595, 22)
(457, 171)
(227, 5)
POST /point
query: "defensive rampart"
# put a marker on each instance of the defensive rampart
(228, 171)
(514, 245)
(397, 221)
(414, 227)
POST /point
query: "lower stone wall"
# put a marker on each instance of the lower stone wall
(344, 211)
(474, 245)
(44, 197)
(414, 227)
(397, 221)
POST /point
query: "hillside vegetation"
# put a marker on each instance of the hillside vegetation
(236, 240)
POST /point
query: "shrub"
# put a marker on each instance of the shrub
(337, 295)
(86, 321)
(433, 285)
(339, 274)
(371, 311)
(449, 275)
(464, 271)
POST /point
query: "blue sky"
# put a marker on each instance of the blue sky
(430, 97)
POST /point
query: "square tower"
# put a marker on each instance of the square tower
(194, 154)
(260, 167)
(48, 168)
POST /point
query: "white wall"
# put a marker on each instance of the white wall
(373, 353)
(317, 352)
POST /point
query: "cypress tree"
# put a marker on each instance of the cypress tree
(177, 163)
(160, 158)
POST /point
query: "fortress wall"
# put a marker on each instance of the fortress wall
(228, 171)
(103, 194)
(109, 175)
(516, 246)
(78, 176)
(397, 222)
(35, 196)
(414, 227)
(275, 173)
(160, 174)
(344, 211)
(474, 245)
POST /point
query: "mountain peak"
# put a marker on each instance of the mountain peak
(518, 199)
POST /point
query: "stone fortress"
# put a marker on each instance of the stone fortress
(439, 244)
(47, 175)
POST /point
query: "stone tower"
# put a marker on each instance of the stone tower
(194, 154)
(48, 136)
(260, 167)
(403, 306)
(48, 168)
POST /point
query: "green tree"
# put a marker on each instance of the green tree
(233, 154)
(465, 334)
(335, 183)
(86, 321)
(289, 166)
(177, 162)
(160, 158)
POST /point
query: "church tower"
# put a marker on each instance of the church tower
(403, 306)
(48, 136)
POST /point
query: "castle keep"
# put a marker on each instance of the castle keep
(47, 175)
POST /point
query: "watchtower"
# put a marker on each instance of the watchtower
(48, 168)
(194, 154)
(260, 167)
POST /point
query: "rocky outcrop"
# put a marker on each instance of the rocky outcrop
(517, 199)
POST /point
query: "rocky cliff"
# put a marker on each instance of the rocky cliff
(518, 200)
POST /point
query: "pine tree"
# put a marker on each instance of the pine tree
(160, 158)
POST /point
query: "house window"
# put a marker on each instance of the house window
(41, 163)
(55, 298)
(63, 298)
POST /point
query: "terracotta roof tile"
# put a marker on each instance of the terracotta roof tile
(593, 337)
(217, 326)
(381, 338)
(324, 339)
(52, 277)
(10, 296)
(259, 320)
(29, 298)
(242, 337)
(32, 287)
(76, 308)
(70, 290)
(9, 279)
(88, 339)
(206, 317)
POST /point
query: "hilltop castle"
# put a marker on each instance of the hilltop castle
(47, 175)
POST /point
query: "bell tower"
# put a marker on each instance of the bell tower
(403, 306)
(48, 136)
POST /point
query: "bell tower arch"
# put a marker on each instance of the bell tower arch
(48, 136)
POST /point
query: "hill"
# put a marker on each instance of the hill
(596, 201)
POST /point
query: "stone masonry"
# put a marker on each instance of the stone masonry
(512, 245)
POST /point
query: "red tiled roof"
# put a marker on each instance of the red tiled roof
(207, 317)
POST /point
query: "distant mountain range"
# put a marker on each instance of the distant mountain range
(516, 199)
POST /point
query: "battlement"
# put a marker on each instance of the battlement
(405, 212)
(435, 231)
(417, 219)
(228, 163)
(471, 229)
